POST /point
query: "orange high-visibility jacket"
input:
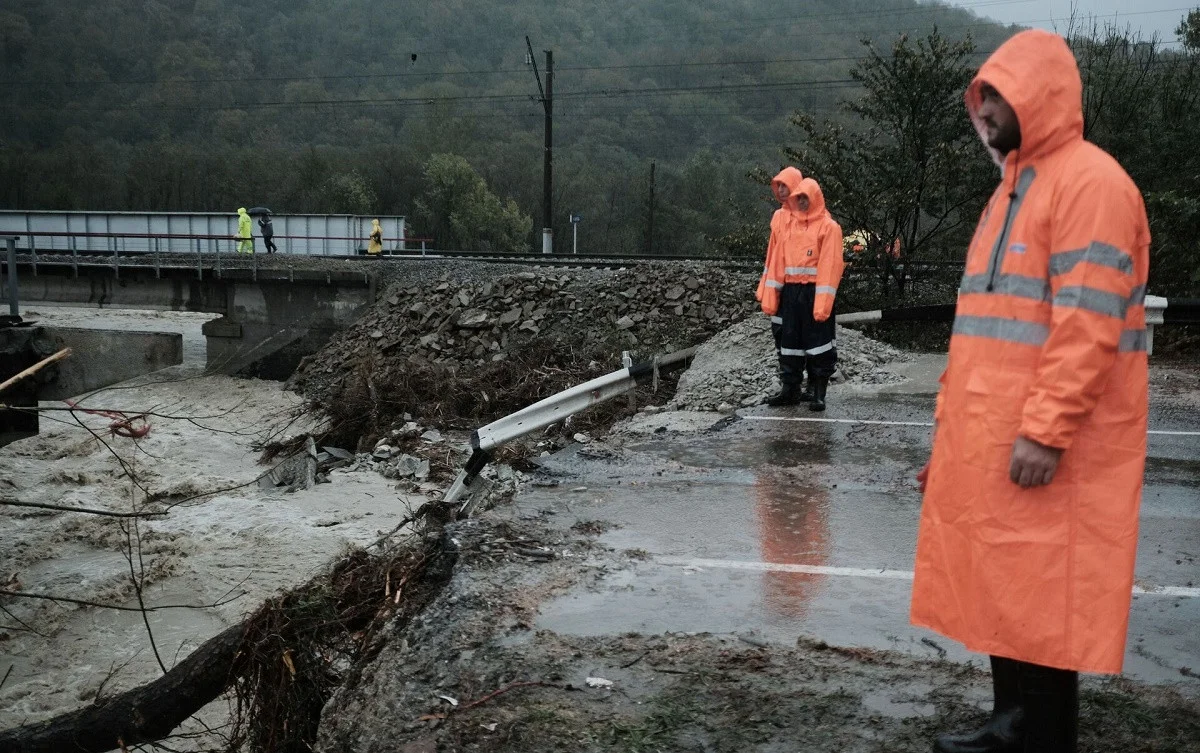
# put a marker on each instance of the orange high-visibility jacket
(1049, 343)
(768, 288)
(805, 247)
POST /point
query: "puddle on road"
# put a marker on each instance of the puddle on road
(811, 444)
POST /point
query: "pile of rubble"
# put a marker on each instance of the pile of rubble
(477, 336)
(738, 367)
(471, 321)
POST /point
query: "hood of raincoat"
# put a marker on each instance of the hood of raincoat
(242, 210)
(375, 225)
(790, 177)
(816, 200)
(1037, 75)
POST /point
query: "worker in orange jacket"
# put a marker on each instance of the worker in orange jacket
(1029, 524)
(798, 287)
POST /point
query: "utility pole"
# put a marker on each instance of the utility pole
(650, 229)
(547, 100)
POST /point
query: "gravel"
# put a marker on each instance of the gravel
(738, 367)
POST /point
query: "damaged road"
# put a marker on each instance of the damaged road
(744, 587)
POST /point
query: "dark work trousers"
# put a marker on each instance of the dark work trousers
(801, 341)
(270, 244)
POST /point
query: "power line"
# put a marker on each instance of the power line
(495, 98)
(262, 79)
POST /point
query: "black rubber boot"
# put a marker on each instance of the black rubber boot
(1050, 700)
(789, 394)
(819, 385)
(791, 374)
(1002, 733)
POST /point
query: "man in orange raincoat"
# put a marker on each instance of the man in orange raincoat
(798, 286)
(1029, 524)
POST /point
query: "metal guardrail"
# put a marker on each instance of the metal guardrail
(153, 257)
(215, 252)
(320, 227)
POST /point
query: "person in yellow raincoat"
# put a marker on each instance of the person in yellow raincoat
(246, 244)
(375, 247)
(1029, 525)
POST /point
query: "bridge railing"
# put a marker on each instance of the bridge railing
(79, 243)
(141, 250)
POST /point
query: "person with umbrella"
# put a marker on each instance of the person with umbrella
(268, 230)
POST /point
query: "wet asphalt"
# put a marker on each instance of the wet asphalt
(707, 519)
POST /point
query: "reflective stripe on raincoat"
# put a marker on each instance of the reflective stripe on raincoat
(1048, 343)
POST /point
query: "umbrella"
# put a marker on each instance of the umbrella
(258, 210)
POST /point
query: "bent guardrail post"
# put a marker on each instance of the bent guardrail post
(553, 409)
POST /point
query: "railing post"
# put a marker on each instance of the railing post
(14, 307)
(33, 252)
(75, 255)
(117, 260)
(199, 261)
(1155, 306)
(218, 255)
(157, 261)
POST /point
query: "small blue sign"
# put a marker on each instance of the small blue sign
(576, 218)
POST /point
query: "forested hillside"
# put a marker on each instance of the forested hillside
(430, 109)
(338, 106)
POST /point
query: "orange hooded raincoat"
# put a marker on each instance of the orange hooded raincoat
(1049, 343)
(768, 291)
(805, 247)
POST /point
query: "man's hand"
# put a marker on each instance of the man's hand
(1033, 464)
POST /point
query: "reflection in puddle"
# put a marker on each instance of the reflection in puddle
(793, 529)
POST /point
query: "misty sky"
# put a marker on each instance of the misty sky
(1149, 16)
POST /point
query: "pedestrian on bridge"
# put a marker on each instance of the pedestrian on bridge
(375, 246)
(797, 290)
(268, 233)
(1029, 525)
(246, 244)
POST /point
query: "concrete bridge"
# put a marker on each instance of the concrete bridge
(269, 319)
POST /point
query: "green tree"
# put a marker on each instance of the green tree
(15, 37)
(348, 193)
(1142, 105)
(912, 167)
(461, 212)
(1188, 31)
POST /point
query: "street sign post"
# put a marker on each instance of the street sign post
(575, 220)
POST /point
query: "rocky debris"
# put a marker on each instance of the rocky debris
(474, 321)
(300, 471)
(472, 348)
(738, 367)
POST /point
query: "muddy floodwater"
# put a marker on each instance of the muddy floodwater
(234, 546)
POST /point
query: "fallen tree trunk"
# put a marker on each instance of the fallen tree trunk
(144, 714)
